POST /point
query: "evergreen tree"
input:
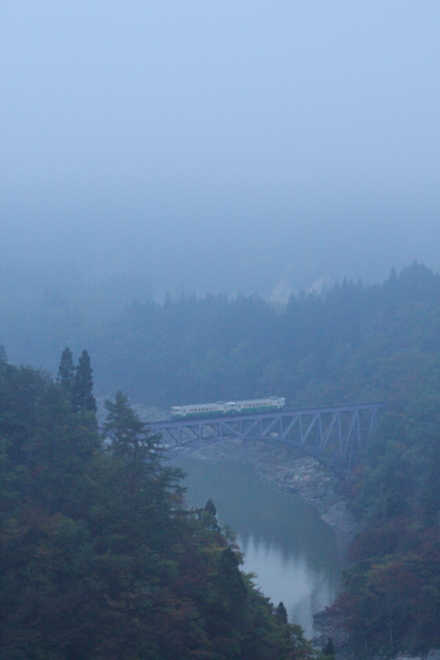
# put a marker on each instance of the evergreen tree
(231, 584)
(211, 508)
(209, 516)
(329, 649)
(66, 372)
(129, 440)
(129, 436)
(281, 613)
(82, 393)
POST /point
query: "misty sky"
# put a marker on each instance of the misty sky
(221, 146)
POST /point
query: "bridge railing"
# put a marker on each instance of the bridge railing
(335, 434)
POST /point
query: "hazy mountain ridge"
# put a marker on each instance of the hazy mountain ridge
(348, 343)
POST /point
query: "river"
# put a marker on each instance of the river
(294, 554)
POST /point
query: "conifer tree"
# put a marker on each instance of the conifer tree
(209, 517)
(129, 436)
(211, 508)
(230, 581)
(281, 613)
(329, 648)
(82, 393)
(131, 441)
(66, 372)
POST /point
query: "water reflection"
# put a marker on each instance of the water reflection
(293, 553)
(288, 579)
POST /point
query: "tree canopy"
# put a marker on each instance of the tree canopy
(99, 559)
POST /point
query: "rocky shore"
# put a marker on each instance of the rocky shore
(290, 471)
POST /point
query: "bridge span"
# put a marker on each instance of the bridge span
(335, 435)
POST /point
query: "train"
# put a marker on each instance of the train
(221, 408)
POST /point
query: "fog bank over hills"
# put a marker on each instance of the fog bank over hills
(225, 147)
(270, 246)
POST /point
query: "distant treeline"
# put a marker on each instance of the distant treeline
(353, 343)
(350, 343)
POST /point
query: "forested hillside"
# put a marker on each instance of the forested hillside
(391, 600)
(99, 559)
(353, 343)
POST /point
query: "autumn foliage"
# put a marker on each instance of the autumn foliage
(99, 558)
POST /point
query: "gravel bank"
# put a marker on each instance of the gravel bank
(289, 471)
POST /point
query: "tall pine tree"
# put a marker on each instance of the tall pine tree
(66, 372)
(82, 393)
(130, 440)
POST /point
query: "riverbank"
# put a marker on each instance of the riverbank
(289, 471)
(285, 468)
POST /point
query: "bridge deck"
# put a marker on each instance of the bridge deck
(336, 435)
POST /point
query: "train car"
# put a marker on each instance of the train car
(228, 408)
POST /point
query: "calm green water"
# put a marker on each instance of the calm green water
(294, 554)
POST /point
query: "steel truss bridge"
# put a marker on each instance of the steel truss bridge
(335, 435)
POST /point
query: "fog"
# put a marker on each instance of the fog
(253, 146)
